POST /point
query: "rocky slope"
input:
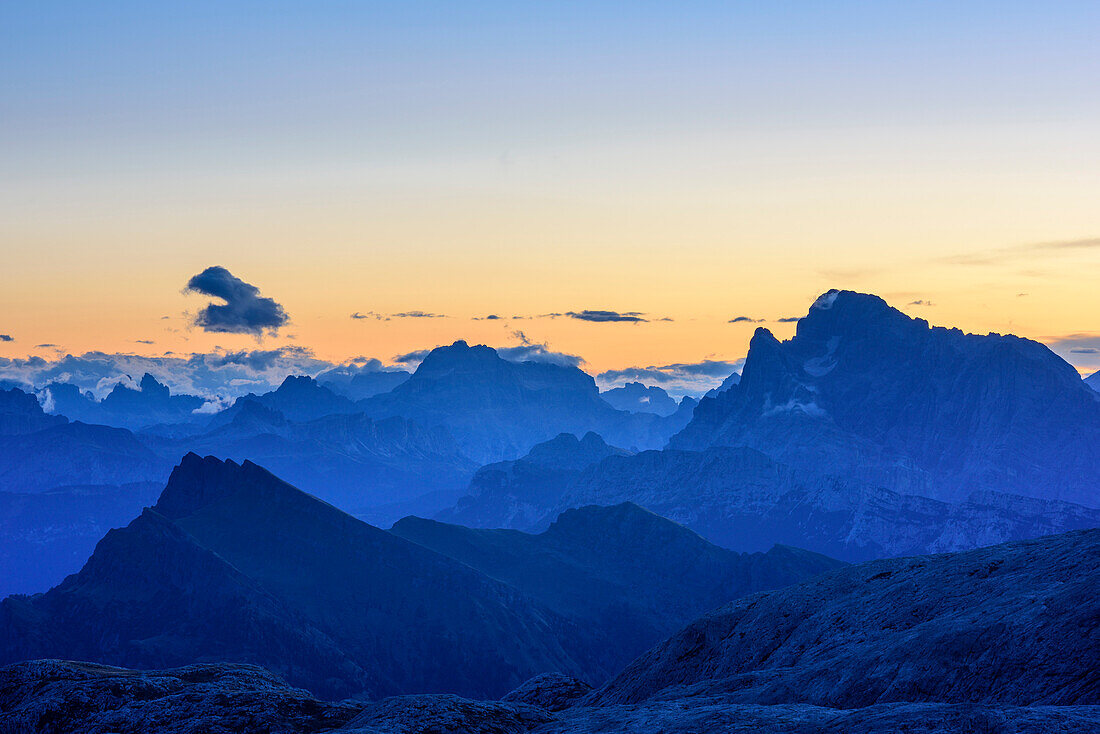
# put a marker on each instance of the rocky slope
(866, 392)
(741, 499)
(58, 697)
(1014, 624)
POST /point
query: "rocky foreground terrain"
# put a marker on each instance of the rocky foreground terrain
(1001, 639)
(57, 697)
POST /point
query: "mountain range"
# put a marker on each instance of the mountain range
(1001, 639)
(498, 409)
(634, 397)
(233, 564)
(864, 391)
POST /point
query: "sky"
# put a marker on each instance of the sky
(699, 169)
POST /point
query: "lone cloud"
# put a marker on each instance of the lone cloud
(245, 310)
(633, 317)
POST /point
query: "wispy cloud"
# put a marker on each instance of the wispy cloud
(788, 320)
(402, 315)
(1014, 252)
(745, 320)
(921, 302)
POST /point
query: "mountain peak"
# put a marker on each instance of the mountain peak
(152, 386)
(199, 480)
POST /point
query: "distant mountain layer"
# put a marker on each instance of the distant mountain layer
(68, 454)
(20, 413)
(1014, 624)
(634, 397)
(233, 564)
(349, 459)
(739, 498)
(865, 392)
(1093, 381)
(622, 570)
(519, 493)
(1003, 639)
(46, 536)
(151, 403)
(498, 409)
(361, 385)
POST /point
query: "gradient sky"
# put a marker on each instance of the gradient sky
(689, 161)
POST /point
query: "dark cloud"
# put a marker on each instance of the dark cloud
(1082, 349)
(490, 317)
(414, 357)
(787, 320)
(45, 346)
(419, 315)
(921, 303)
(144, 341)
(367, 315)
(539, 353)
(6, 338)
(606, 316)
(745, 320)
(245, 311)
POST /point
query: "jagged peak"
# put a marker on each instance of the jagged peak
(199, 480)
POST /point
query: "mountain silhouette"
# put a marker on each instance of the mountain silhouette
(864, 391)
(618, 570)
(634, 397)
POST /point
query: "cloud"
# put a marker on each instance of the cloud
(367, 315)
(220, 375)
(144, 341)
(1082, 349)
(679, 378)
(6, 338)
(745, 320)
(414, 357)
(45, 346)
(418, 315)
(1004, 254)
(245, 311)
(788, 320)
(607, 316)
(921, 303)
(490, 317)
(529, 352)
